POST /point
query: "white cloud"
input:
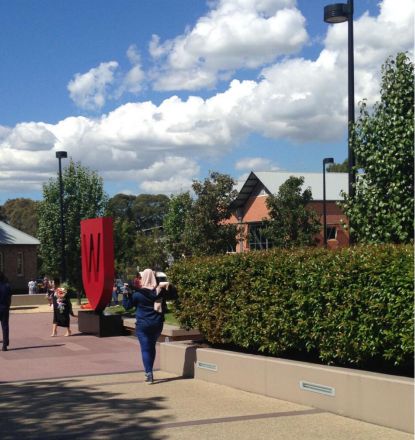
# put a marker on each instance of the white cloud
(171, 175)
(158, 146)
(133, 79)
(233, 35)
(256, 164)
(30, 136)
(89, 90)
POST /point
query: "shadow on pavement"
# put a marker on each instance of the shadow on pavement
(64, 410)
(23, 307)
(35, 346)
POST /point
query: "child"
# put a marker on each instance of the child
(62, 309)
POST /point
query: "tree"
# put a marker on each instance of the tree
(174, 224)
(21, 213)
(120, 206)
(150, 250)
(124, 243)
(83, 198)
(131, 215)
(206, 231)
(148, 210)
(339, 167)
(383, 143)
(292, 222)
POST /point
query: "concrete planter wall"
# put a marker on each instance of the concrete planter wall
(372, 397)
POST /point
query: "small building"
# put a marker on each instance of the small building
(251, 210)
(18, 257)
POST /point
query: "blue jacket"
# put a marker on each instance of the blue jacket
(143, 300)
(5, 296)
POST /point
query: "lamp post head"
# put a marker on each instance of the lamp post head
(336, 13)
(328, 160)
(61, 154)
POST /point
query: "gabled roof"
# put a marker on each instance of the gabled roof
(272, 180)
(10, 235)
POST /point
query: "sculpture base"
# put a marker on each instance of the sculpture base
(96, 323)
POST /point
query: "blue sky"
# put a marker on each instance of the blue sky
(154, 93)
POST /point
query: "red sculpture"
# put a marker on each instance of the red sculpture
(97, 255)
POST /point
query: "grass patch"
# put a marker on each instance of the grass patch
(170, 318)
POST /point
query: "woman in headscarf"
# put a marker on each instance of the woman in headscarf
(149, 318)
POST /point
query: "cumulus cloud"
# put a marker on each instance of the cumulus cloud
(158, 146)
(234, 34)
(255, 164)
(171, 175)
(89, 90)
(132, 81)
(30, 136)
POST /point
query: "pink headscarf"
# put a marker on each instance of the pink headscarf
(148, 279)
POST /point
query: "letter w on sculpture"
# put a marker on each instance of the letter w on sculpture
(97, 255)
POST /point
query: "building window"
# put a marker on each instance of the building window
(20, 264)
(256, 237)
(1, 262)
(331, 232)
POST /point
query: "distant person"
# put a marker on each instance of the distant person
(32, 287)
(149, 318)
(50, 290)
(115, 294)
(5, 302)
(125, 290)
(62, 309)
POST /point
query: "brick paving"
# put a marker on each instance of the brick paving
(85, 387)
(34, 354)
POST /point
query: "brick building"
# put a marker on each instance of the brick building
(18, 257)
(250, 207)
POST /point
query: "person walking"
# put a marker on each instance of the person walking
(149, 318)
(32, 287)
(5, 302)
(62, 309)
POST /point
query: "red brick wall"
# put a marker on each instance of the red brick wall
(19, 282)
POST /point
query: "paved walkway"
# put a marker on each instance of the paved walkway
(92, 388)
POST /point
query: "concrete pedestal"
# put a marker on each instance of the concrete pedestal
(96, 323)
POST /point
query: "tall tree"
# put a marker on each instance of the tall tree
(150, 250)
(83, 198)
(124, 244)
(383, 143)
(206, 231)
(174, 224)
(339, 167)
(22, 214)
(120, 206)
(292, 222)
(132, 215)
(148, 210)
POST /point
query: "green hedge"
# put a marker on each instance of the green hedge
(351, 306)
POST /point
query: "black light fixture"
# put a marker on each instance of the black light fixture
(325, 162)
(339, 13)
(62, 155)
(336, 13)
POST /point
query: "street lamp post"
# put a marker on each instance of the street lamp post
(62, 155)
(339, 13)
(325, 162)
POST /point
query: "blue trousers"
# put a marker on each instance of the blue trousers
(4, 318)
(147, 337)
